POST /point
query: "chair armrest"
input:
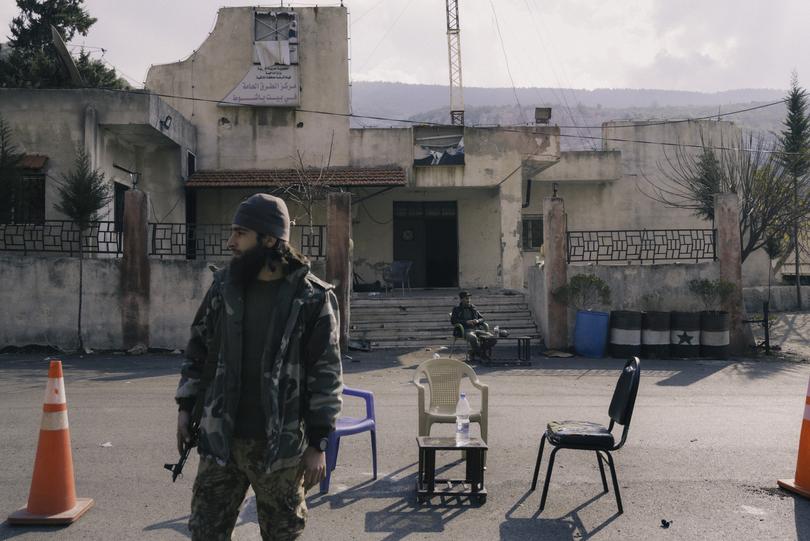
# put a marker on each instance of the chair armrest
(485, 325)
(421, 391)
(484, 388)
(458, 330)
(368, 396)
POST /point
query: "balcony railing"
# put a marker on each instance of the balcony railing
(166, 240)
(210, 241)
(61, 237)
(642, 246)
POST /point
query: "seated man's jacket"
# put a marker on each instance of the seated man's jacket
(462, 314)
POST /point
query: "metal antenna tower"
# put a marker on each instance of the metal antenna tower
(454, 54)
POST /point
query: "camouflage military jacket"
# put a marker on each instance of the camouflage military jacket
(301, 367)
(462, 314)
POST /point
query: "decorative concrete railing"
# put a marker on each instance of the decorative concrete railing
(62, 237)
(641, 245)
(210, 241)
(166, 240)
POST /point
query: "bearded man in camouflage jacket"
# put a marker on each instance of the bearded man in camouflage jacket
(264, 354)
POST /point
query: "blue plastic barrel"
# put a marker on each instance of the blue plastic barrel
(591, 333)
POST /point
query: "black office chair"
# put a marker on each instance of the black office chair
(589, 436)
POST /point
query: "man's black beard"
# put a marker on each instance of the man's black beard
(246, 267)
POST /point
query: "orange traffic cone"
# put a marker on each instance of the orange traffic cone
(52, 499)
(801, 483)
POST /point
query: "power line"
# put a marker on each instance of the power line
(362, 15)
(551, 62)
(385, 34)
(506, 59)
(502, 128)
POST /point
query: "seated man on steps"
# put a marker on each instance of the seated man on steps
(473, 327)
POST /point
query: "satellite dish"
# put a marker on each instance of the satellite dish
(67, 60)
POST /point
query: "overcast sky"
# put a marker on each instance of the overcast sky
(705, 45)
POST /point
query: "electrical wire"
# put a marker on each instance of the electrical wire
(506, 59)
(385, 34)
(554, 72)
(378, 4)
(502, 128)
(370, 217)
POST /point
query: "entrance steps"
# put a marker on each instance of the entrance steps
(421, 318)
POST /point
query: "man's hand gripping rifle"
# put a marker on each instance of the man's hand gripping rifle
(187, 445)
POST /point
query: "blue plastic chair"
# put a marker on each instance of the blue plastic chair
(346, 426)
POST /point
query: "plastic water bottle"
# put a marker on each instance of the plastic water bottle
(463, 419)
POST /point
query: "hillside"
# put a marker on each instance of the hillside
(570, 107)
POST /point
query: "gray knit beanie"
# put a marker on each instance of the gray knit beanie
(264, 214)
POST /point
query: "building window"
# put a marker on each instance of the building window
(26, 204)
(532, 232)
(420, 209)
(191, 164)
(118, 205)
(279, 32)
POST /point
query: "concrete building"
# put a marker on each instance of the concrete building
(263, 105)
(449, 199)
(133, 138)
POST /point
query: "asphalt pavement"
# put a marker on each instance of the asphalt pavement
(708, 441)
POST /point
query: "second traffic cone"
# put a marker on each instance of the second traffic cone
(800, 484)
(52, 498)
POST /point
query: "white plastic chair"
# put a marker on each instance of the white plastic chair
(444, 383)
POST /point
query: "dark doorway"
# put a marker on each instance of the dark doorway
(426, 232)
(118, 205)
(191, 223)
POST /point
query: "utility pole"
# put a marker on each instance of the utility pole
(454, 54)
(796, 243)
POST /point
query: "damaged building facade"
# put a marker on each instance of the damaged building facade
(263, 104)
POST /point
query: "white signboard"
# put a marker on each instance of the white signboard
(271, 86)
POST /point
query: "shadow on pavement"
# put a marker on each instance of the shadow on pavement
(179, 525)
(7, 531)
(801, 513)
(94, 367)
(568, 526)
(404, 516)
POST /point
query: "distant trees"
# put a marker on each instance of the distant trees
(753, 169)
(795, 146)
(33, 62)
(10, 172)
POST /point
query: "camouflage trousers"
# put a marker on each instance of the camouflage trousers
(480, 341)
(219, 491)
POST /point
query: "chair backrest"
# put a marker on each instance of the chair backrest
(444, 379)
(399, 269)
(624, 397)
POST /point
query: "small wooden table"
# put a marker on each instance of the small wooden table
(524, 353)
(427, 485)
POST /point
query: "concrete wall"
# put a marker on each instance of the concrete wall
(235, 137)
(781, 298)
(375, 147)
(478, 232)
(115, 129)
(583, 166)
(496, 161)
(40, 299)
(648, 287)
(536, 297)
(605, 189)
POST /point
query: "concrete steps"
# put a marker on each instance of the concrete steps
(422, 318)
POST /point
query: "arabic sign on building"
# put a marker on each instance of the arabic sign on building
(270, 86)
